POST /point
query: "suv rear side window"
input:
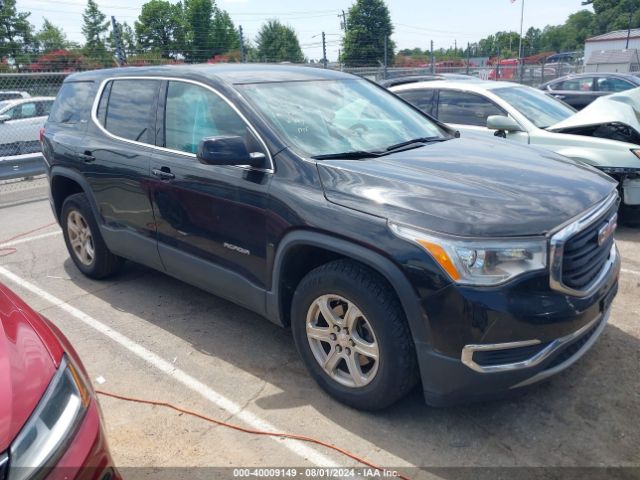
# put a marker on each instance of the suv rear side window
(465, 108)
(130, 110)
(73, 103)
(422, 98)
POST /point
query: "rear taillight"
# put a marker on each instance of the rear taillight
(41, 134)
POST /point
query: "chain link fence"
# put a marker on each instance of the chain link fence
(26, 99)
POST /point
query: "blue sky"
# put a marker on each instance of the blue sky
(416, 21)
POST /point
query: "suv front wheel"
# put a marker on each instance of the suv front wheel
(84, 241)
(352, 335)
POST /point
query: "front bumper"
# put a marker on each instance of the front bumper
(485, 343)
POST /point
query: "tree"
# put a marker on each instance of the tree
(368, 24)
(16, 33)
(198, 22)
(93, 29)
(50, 37)
(159, 27)
(225, 37)
(276, 42)
(614, 14)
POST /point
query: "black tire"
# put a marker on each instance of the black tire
(397, 371)
(104, 263)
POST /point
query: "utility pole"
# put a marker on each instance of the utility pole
(242, 59)
(344, 20)
(386, 61)
(324, 51)
(120, 55)
(468, 56)
(433, 60)
(629, 29)
(521, 25)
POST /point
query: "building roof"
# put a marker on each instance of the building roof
(603, 57)
(615, 35)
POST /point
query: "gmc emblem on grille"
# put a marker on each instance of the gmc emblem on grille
(605, 232)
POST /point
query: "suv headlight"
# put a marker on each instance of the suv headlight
(42, 440)
(476, 261)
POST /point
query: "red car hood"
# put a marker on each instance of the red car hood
(29, 355)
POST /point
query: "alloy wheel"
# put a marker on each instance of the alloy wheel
(80, 237)
(342, 341)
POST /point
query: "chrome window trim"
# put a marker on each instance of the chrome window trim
(541, 356)
(560, 237)
(96, 101)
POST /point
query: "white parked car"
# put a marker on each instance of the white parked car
(606, 134)
(12, 94)
(20, 123)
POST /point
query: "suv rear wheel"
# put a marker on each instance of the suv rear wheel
(84, 241)
(351, 333)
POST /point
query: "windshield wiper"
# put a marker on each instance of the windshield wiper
(420, 140)
(355, 155)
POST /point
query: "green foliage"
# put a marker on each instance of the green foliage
(50, 37)
(94, 29)
(225, 36)
(16, 33)
(160, 28)
(277, 43)
(198, 15)
(614, 14)
(368, 24)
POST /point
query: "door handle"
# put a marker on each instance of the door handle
(86, 157)
(163, 173)
(560, 97)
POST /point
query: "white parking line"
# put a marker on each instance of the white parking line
(632, 272)
(30, 239)
(295, 446)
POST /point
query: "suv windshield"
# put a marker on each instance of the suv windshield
(540, 109)
(319, 118)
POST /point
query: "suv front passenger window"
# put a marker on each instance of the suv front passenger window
(193, 112)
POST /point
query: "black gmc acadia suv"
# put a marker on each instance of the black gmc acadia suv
(396, 251)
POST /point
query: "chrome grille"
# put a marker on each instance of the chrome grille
(585, 255)
(583, 252)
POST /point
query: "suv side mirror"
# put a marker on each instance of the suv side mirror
(503, 123)
(227, 150)
(4, 118)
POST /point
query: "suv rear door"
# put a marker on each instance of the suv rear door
(211, 218)
(115, 160)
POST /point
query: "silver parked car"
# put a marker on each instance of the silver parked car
(606, 134)
(20, 123)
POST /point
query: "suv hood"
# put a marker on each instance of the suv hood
(26, 367)
(468, 187)
(619, 108)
